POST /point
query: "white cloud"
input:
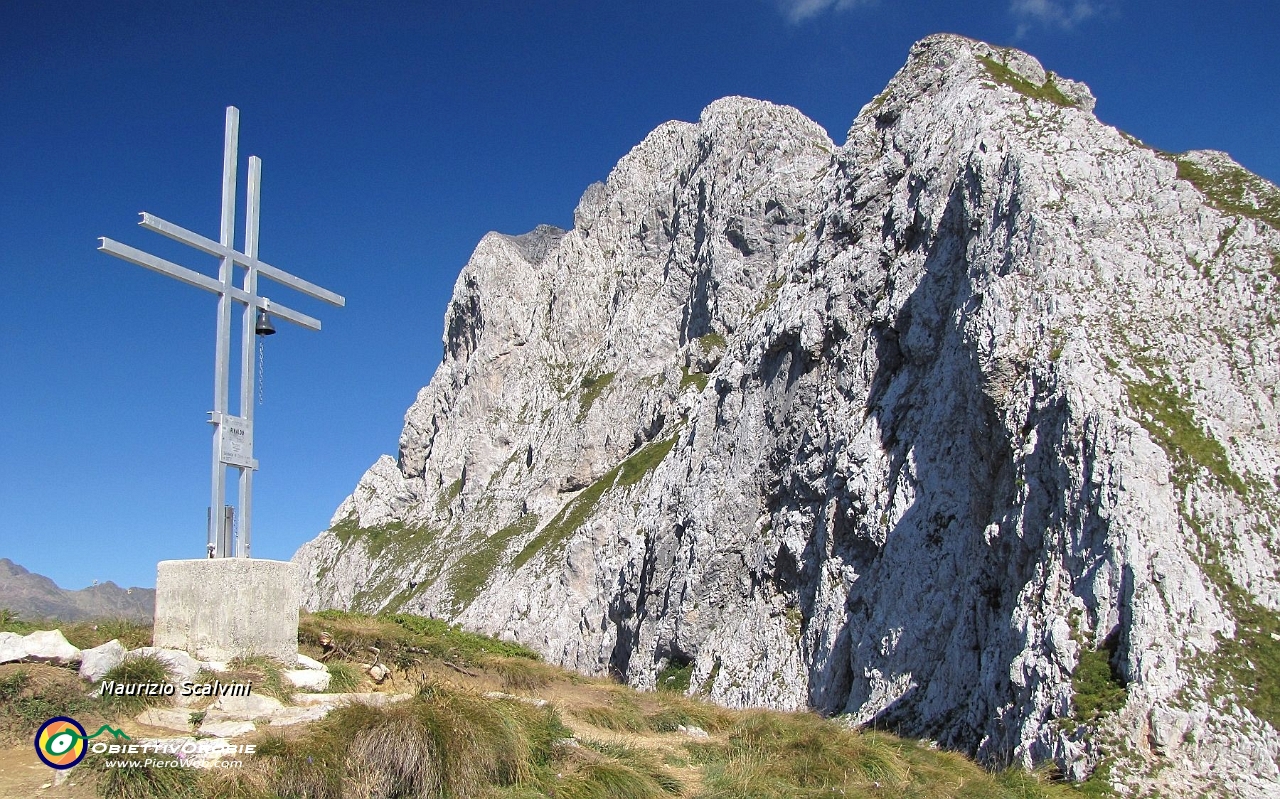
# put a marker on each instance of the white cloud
(1052, 13)
(797, 11)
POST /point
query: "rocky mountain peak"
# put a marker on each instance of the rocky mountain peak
(967, 426)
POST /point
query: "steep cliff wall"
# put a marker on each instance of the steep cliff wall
(967, 427)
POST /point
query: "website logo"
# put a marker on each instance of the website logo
(61, 742)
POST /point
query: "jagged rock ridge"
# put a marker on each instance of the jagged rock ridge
(967, 427)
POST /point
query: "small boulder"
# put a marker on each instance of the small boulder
(49, 646)
(692, 731)
(308, 679)
(11, 647)
(96, 662)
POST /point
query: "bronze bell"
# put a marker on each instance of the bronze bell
(262, 325)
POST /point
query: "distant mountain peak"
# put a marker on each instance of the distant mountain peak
(34, 596)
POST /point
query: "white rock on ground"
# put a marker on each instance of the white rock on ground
(242, 708)
(11, 647)
(307, 679)
(300, 715)
(305, 662)
(372, 699)
(96, 662)
(226, 728)
(166, 717)
(908, 428)
(50, 646)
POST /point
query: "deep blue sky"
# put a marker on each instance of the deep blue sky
(394, 135)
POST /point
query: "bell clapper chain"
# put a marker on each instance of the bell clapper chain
(261, 350)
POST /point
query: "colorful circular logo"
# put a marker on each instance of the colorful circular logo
(61, 742)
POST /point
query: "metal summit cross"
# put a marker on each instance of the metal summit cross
(232, 435)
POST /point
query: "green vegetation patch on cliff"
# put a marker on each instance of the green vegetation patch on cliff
(692, 379)
(1252, 657)
(576, 512)
(449, 494)
(1047, 91)
(1249, 662)
(675, 677)
(408, 540)
(592, 388)
(1097, 688)
(472, 571)
(711, 342)
(1168, 417)
(1233, 190)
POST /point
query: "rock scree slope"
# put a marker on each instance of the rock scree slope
(966, 428)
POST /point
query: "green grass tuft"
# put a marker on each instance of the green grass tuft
(343, 678)
(522, 674)
(11, 622)
(675, 677)
(714, 341)
(621, 713)
(769, 296)
(86, 634)
(135, 670)
(452, 640)
(379, 536)
(646, 460)
(354, 633)
(27, 701)
(449, 494)
(271, 680)
(616, 771)
(1249, 663)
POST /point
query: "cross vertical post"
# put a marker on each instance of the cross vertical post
(252, 208)
(222, 351)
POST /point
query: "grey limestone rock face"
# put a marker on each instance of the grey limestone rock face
(966, 428)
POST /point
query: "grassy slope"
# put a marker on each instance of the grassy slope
(489, 719)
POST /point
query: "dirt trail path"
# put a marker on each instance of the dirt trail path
(23, 775)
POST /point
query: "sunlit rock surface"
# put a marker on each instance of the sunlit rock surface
(967, 427)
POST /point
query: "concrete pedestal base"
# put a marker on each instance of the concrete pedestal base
(222, 608)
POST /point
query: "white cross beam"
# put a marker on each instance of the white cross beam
(232, 435)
